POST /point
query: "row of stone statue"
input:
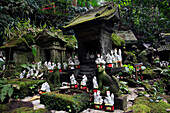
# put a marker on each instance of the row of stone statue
(111, 58)
(164, 64)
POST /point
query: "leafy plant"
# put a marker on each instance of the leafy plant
(124, 88)
(7, 91)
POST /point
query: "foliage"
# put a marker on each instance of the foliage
(6, 91)
(148, 73)
(146, 19)
(130, 57)
(139, 108)
(129, 69)
(71, 41)
(116, 41)
(57, 101)
(159, 107)
(124, 88)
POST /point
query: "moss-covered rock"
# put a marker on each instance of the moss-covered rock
(116, 41)
(159, 107)
(22, 110)
(139, 108)
(41, 110)
(130, 58)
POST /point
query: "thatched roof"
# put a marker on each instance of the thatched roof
(106, 12)
(127, 36)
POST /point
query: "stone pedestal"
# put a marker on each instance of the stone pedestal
(121, 102)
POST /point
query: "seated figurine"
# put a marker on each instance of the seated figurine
(109, 100)
(21, 75)
(102, 61)
(97, 98)
(65, 65)
(76, 60)
(98, 60)
(95, 84)
(45, 87)
(108, 58)
(59, 65)
(84, 80)
(72, 79)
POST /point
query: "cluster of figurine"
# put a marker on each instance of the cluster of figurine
(115, 59)
(50, 65)
(164, 64)
(83, 82)
(30, 74)
(109, 100)
(73, 62)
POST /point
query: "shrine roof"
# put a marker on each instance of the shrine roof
(104, 12)
(127, 36)
(46, 35)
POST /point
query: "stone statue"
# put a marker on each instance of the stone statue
(45, 63)
(28, 75)
(3, 68)
(72, 79)
(21, 75)
(36, 73)
(108, 58)
(54, 65)
(24, 72)
(109, 99)
(84, 80)
(39, 76)
(65, 65)
(95, 84)
(45, 87)
(76, 60)
(39, 65)
(49, 65)
(98, 60)
(116, 57)
(105, 79)
(31, 72)
(71, 63)
(59, 65)
(97, 98)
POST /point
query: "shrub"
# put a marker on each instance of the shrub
(58, 101)
(22, 86)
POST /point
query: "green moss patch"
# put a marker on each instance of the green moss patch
(117, 41)
(149, 74)
(71, 103)
(139, 108)
(159, 107)
(22, 86)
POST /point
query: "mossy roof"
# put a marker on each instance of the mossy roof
(127, 36)
(46, 35)
(104, 12)
(14, 42)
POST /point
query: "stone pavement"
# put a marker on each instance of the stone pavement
(130, 99)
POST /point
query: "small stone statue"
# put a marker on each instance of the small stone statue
(21, 75)
(28, 75)
(102, 61)
(24, 72)
(59, 65)
(49, 65)
(97, 98)
(116, 57)
(65, 65)
(39, 76)
(108, 58)
(45, 63)
(84, 80)
(109, 99)
(45, 87)
(36, 73)
(76, 60)
(72, 79)
(98, 60)
(95, 84)
(3, 68)
(71, 63)
(120, 55)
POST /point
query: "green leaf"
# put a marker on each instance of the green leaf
(34, 50)
(10, 91)
(2, 97)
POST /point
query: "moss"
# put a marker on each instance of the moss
(22, 110)
(159, 107)
(41, 110)
(147, 86)
(139, 108)
(101, 11)
(149, 74)
(117, 41)
(22, 86)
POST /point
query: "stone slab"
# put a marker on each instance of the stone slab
(121, 102)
